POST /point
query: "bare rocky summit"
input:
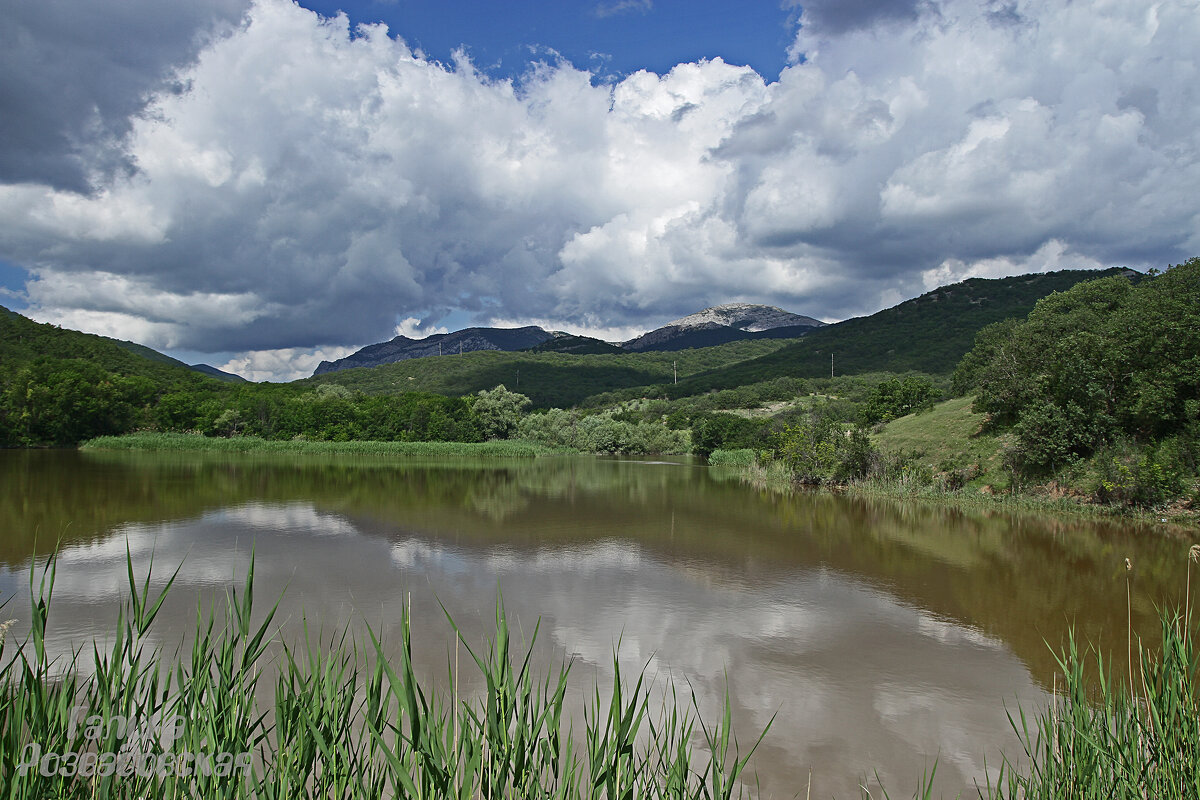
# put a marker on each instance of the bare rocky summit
(725, 323)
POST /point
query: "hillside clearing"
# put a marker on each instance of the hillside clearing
(948, 436)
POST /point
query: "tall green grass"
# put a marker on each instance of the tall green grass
(342, 720)
(1114, 742)
(731, 458)
(504, 448)
(1101, 739)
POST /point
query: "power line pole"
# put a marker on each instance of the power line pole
(831, 366)
(675, 372)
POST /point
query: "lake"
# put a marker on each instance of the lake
(880, 635)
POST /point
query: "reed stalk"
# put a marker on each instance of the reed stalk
(342, 719)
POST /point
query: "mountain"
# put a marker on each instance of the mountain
(930, 333)
(725, 323)
(468, 340)
(219, 374)
(154, 355)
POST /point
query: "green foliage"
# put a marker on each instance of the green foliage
(896, 397)
(718, 431)
(927, 334)
(548, 379)
(23, 341)
(731, 458)
(497, 410)
(1102, 362)
(1145, 476)
(818, 449)
(53, 401)
(601, 433)
(1114, 743)
(579, 345)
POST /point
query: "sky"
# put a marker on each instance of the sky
(261, 185)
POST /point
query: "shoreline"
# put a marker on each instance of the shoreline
(754, 473)
(777, 479)
(198, 443)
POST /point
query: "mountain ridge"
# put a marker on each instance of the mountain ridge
(705, 328)
(467, 340)
(724, 323)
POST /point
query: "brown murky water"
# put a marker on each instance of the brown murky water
(881, 635)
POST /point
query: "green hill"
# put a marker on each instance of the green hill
(548, 379)
(927, 334)
(58, 387)
(22, 341)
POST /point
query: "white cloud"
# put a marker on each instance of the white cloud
(131, 307)
(282, 364)
(587, 326)
(414, 328)
(310, 190)
(1053, 255)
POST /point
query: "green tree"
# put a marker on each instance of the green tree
(896, 397)
(64, 401)
(1105, 362)
(499, 411)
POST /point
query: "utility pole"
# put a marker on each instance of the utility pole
(460, 348)
(675, 372)
(831, 366)
(518, 383)
(439, 348)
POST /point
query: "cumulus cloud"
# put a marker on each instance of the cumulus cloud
(282, 364)
(301, 188)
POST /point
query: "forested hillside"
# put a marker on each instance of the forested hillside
(1101, 384)
(549, 379)
(927, 334)
(22, 340)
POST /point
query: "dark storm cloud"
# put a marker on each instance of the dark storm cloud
(73, 72)
(841, 16)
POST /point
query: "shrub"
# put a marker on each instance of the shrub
(602, 433)
(895, 397)
(817, 449)
(1146, 477)
(499, 411)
